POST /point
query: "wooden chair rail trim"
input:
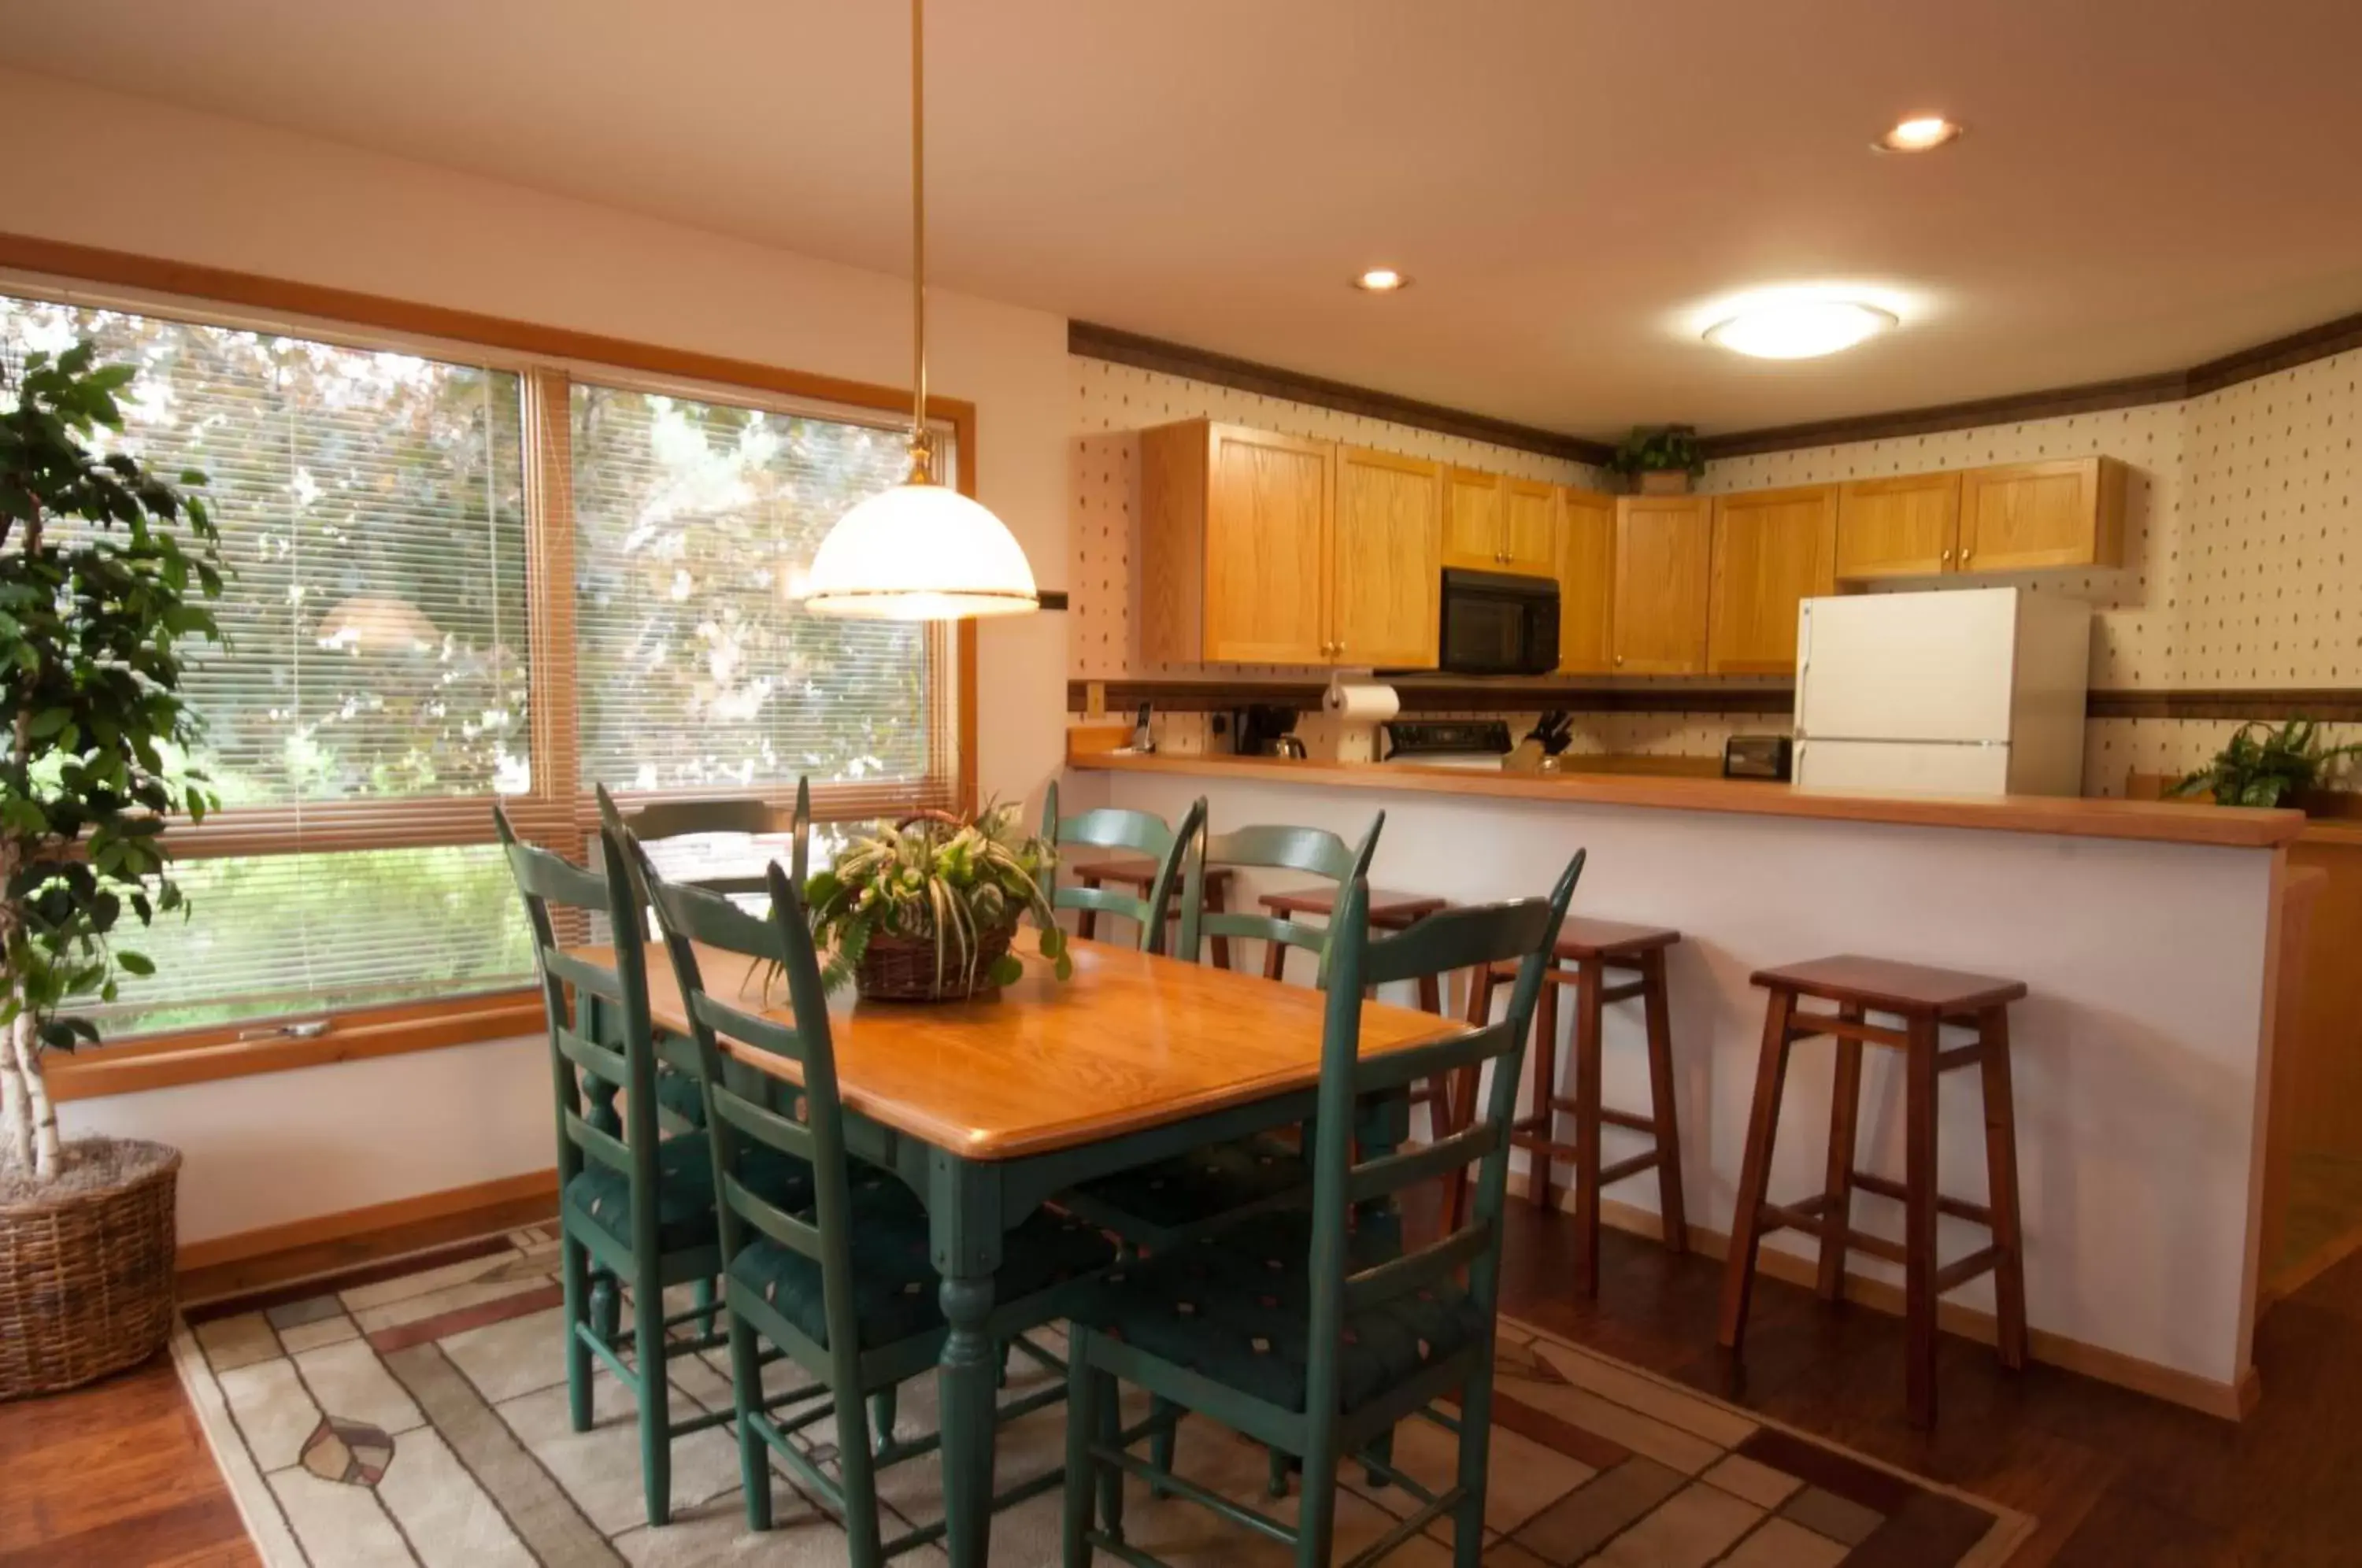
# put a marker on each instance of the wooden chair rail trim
(2152, 822)
(173, 1061)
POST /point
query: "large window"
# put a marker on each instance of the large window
(420, 622)
(692, 522)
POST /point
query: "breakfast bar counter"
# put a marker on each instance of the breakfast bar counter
(2165, 821)
(2149, 935)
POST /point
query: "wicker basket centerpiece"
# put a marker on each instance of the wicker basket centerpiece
(924, 908)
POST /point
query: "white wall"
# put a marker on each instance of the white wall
(142, 177)
(2135, 1056)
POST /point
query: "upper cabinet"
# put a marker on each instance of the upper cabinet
(2024, 517)
(1492, 523)
(1388, 560)
(1586, 584)
(1663, 545)
(1772, 549)
(1529, 512)
(1905, 526)
(1472, 519)
(1261, 548)
(1258, 548)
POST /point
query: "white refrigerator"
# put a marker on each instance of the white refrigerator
(1968, 692)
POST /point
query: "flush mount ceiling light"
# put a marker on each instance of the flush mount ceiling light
(921, 551)
(1802, 327)
(1920, 133)
(1381, 280)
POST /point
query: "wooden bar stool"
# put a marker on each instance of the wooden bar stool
(1924, 998)
(1587, 953)
(1140, 875)
(1389, 911)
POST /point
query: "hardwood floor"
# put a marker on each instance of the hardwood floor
(120, 1475)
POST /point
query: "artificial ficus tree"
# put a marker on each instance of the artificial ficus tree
(105, 571)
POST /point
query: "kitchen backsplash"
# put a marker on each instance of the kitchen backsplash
(2242, 565)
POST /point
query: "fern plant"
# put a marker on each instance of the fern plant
(2263, 766)
(935, 876)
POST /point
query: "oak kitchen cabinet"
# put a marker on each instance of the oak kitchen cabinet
(2024, 517)
(1909, 526)
(1386, 560)
(1586, 584)
(1493, 523)
(1772, 549)
(1260, 548)
(1663, 544)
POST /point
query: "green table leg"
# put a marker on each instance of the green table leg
(964, 1222)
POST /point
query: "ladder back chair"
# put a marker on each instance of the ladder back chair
(1113, 827)
(1162, 1204)
(841, 1283)
(1313, 1332)
(658, 821)
(636, 1209)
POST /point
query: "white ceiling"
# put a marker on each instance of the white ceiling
(2146, 183)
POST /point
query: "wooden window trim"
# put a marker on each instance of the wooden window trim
(205, 1056)
(555, 813)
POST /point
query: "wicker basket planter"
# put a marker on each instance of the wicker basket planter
(903, 968)
(86, 1276)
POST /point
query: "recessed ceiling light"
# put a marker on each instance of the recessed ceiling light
(1381, 280)
(1799, 328)
(1920, 133)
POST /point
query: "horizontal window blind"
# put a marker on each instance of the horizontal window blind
(372, 686)
(292, 935)
(372, 514)
(695, 670)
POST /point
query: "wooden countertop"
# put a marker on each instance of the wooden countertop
(2163, 822)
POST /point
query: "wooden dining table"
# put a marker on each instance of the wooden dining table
(989, 1108)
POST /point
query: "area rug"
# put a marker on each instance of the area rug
(422, 1420)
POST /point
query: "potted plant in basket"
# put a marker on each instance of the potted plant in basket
(923, 910)
(2263, 766)
(1664, 457)
(104, 570)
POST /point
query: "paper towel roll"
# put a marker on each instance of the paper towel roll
(1361, 702)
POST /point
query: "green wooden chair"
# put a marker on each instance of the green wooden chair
(1113, 827)
(842, 1283)
(1165, 1205)
(678, 1095)
(636, 1209)
(1313, 1332)
(660, 820)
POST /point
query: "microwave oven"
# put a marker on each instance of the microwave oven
(1499, 623)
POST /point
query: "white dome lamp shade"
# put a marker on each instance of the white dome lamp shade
(921, 551)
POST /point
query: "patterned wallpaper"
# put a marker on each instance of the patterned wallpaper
(2242, 566)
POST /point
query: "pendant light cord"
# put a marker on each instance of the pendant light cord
(922, 446)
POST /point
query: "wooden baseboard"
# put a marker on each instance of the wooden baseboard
(2229, 1401)
(323, 1245)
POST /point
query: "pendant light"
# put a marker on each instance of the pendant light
(921, 551)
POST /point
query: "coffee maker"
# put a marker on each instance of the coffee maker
(1265, 729)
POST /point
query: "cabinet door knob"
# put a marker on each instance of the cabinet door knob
(1947, 558)
(1619, 658)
